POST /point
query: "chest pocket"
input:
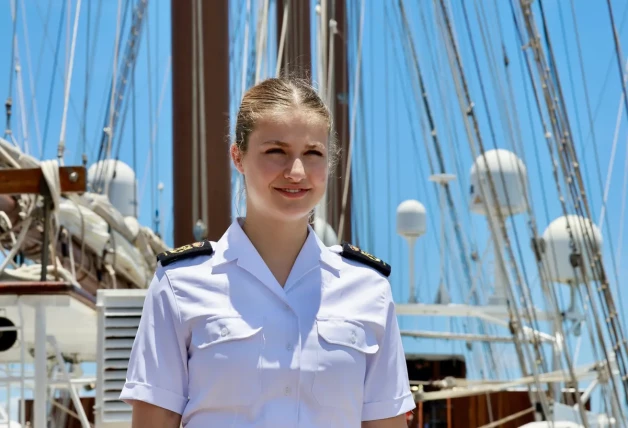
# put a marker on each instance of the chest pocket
(224, 363)
(342, 361)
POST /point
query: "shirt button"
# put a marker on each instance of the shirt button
(289, 347)
(288, 390)
(224, 331)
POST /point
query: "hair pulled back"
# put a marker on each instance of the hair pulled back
(275, 95)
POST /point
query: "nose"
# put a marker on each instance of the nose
(296, 171)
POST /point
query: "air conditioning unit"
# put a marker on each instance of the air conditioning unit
(119, 313)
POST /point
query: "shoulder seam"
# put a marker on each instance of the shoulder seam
(174, 296)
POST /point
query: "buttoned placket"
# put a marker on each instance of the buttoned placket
(309, 259)
(293, 351)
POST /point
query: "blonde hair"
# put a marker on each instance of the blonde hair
(278, 94)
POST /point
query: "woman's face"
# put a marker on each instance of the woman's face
(285, 165)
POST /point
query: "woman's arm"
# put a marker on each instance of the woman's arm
(396, 422)
(147, 415)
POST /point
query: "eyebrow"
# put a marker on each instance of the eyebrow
(284, 144)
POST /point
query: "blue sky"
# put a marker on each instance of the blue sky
(391, 157)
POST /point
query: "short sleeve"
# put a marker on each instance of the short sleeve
(387, 389)
(157, 371)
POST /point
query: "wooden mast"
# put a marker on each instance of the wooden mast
(215, 42)
(297, 57)
(341, 120)
(297, 60)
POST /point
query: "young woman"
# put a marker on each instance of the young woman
(268, 327)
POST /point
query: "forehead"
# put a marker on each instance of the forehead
(290, 126)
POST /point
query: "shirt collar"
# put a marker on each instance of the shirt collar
(236, 246)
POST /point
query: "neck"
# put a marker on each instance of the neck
(278, 243)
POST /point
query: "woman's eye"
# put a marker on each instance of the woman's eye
(275, 150)
(314, 152)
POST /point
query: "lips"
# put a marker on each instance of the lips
(292, 192)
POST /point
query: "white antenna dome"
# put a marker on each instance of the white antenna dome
(325, 232)
(411, 219)
(557, 251)
(510, 185)
(122, 184)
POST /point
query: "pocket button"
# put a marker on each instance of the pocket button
(224, 331)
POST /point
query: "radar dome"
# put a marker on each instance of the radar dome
(411, 219)
(122, 184)
(325, 232)
(509, 177)
(557, 252)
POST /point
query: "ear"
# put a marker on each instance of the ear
(236, 157)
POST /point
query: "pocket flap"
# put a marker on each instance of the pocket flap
(224, 329)
(347, 333)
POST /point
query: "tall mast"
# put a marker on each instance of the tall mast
(297, 59)
(201, 165)
(297, 56)
(340, 92)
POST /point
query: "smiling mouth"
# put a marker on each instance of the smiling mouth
(292, 193)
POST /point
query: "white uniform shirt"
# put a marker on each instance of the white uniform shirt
(223, 344)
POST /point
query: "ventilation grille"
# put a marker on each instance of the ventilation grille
(119, 313)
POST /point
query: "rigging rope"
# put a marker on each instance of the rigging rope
(68, 84)
(619, 55)
(282, 37)
(568, 160)
(86, 95)
(203, 128)
(134, 119)
(112, 110)
(609, 234)
(9, 102)
(467, 107)
(21, 101)
(525, 290)
(195, 93)
(261, 40)
(30, 78)
(52, 80)
(431, 127)
(622, 216)
(611, 162)
(578, 195)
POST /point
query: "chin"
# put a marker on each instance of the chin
(291, 214)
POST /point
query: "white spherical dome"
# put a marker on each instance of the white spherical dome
(411, 219)
(122, 184)
(509, 178)
(557, 252)
(325, 232)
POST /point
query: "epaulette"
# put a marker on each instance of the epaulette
(354, 253)
(185, 251)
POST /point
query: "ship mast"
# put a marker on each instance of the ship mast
(296, 59)
(200, 108)
(340, 110)
(297, 55)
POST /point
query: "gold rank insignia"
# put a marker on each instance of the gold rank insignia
(185, 251)
(354, 253)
